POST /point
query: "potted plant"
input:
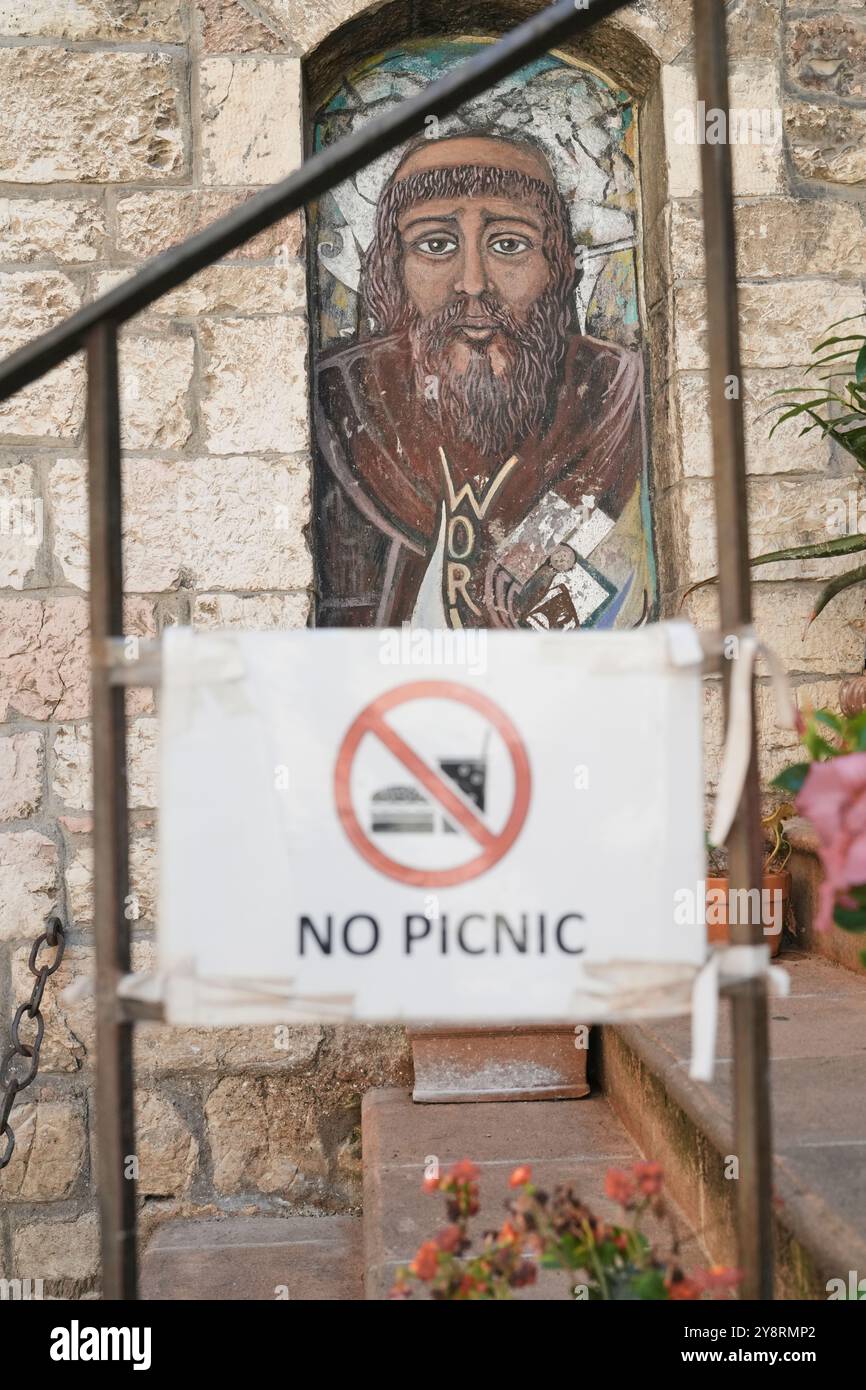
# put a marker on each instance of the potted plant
(604, 1261)
(775, 887)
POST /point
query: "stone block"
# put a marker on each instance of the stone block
(155, 383)
(71, 230)
(142, 878)
(50, 1152)
(233, 523)
(780, 323)
(57, 1250)
(802, 236)
(31, 302)
(79, 117)
(28, 883)
(827, 142)
(228, 27)
(264, 1137)
(756, 139)
(250, 119)
(785, 452)
(22, 763)
(254, 395)
(249, 612)
(71, 779)
(827, 54)
(22, 526)
(152, 220)
(782, 511)
(153, 21)
(831, 644)
(166, 1149)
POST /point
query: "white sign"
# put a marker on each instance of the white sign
(371, 825)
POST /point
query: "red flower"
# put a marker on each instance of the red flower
(430, 1185)
(525, 1273)
(426, 1261)
(507, 1235)
(683, 1289)
(465, 1171)
(650, 1178)
(619, 1186)
(449, 1239)
(521, 1176)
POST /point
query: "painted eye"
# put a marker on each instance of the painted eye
(509, 245)
(437, 245)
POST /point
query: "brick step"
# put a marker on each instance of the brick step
(572, 1141)
(310, 1258)
(818, 1049)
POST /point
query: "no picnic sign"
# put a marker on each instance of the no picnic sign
(349, 833)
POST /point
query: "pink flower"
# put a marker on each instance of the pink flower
(833, 797)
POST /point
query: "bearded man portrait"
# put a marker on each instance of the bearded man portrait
(481, 458)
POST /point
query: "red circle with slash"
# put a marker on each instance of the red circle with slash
(372, 721)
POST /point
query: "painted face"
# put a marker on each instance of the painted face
(470, 251)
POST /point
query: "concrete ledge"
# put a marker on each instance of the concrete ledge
(303, 1258)
(818, 1044)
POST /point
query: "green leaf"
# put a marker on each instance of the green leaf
(818, 550)
(849, 318)
(837, 586)
(819, 748)
(853, 442)
(850, 918)
(791, 779)
(826, 716)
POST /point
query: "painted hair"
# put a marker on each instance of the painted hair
(383, 299)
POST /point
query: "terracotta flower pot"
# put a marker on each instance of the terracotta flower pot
(775, 897)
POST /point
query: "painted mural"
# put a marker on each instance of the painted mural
(479, 397)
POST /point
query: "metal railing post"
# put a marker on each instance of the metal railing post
(752, 1124)
(114, 1095)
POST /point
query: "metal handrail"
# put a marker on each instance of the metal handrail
(315, 176)
(95, 326)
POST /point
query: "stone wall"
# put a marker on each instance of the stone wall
(125, 125)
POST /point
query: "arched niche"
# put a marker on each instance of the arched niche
(623, 60)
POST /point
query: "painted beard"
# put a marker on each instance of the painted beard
(492, 394)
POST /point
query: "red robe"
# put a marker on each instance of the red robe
(382, 498)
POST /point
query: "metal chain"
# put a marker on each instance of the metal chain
(10, 1082)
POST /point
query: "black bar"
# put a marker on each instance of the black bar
(315, 176)
(752, 1124)
(115, 1130)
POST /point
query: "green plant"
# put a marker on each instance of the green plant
(836, 407)
(604, 1261)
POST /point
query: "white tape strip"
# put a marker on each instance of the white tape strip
(738, 737)
(729, 965)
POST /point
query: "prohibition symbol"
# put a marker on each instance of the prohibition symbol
(432, 784)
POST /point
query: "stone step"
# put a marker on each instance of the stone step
(564, 1141)
(304, 1258)
(818, 1050)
